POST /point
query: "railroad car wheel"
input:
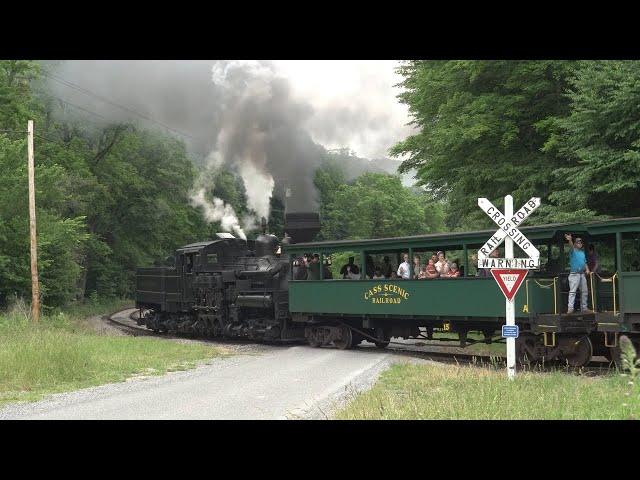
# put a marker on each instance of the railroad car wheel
(314, 343)
(346, 339)
(581, 353)
(384, 338)
(525, 349)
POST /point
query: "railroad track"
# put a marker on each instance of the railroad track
(419, 349)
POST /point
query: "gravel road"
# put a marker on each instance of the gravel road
(278, 383)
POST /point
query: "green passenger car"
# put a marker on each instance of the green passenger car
(347, 311)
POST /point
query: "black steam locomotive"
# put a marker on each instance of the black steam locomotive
(226, 287)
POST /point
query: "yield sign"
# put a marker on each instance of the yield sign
(509, 280)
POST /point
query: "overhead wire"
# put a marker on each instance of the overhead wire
(111, 102)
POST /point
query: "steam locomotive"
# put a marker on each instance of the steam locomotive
(226, 287)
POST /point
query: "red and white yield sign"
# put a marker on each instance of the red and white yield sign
(509, 280)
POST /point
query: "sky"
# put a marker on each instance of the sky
(360, 98)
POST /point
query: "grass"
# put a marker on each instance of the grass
(63, 352)
(410, 391)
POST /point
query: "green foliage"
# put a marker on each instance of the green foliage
(565, 131)
(600, 141)
(109, 197)
(375, 205)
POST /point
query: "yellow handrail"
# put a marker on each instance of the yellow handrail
(613, 282)
(555, 301)
(542, 285)
(593, 300)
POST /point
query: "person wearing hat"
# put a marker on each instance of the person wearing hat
(577, 279)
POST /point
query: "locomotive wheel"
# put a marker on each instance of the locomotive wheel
(313, 341)
(582, 352)
(346, 340)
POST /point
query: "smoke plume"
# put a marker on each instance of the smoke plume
(237, 113)
(218, 211)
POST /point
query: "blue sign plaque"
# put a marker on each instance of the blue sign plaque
(510, 331)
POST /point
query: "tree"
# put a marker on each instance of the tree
(375, 206)
(482, 127)
(599, 142)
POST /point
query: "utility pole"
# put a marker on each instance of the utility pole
(35, 288)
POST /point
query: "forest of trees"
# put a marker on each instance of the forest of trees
(111, 197)
(567, 131)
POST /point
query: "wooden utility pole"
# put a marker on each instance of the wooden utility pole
(35, 287)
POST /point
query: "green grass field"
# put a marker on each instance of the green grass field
(409, 391)
(63, 352)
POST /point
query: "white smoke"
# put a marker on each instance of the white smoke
(259, 186)
(218, 211)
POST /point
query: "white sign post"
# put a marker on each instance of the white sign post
(517, 267)
(510, 306)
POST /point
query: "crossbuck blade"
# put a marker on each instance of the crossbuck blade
(509, 227)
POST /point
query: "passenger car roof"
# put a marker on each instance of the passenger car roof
(535, 232)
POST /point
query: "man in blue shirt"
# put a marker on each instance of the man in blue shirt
(577, 278)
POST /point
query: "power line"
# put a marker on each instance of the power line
(66, 102)
(110, 102)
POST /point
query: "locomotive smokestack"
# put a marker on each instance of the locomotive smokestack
(302, 226)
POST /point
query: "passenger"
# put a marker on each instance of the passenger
(434, 257)
(369, 267)
(416, 266)
(486, 272)
(314, 268)
(453, 271)
(592, 259)
(300, 272)
(577, 279)
(347, 271)
(430, 269)
(387, 269)
(326, 272)
(442, 264)
(422, 275)
(403, 269)
(377, 274)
